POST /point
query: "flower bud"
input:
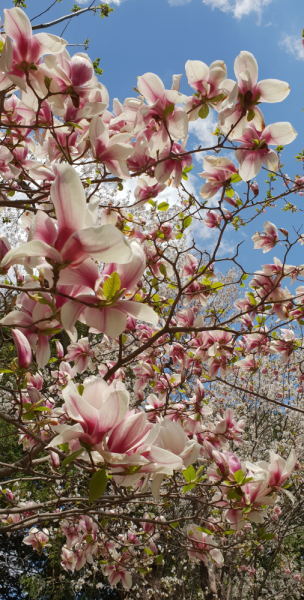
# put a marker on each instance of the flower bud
(24, 353)
(59, 349)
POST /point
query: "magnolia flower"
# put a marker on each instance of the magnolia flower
(254, 150)
(209, 83)
(235, 517)
(69, 559)
(112, 151)
(96, 411)
(38, 325)
(284, 346)
(246, 94)
(278, 469)
(171, 167)
(37, 539)
(19, 58)
(106, 310)
(81, 354)
(218, 172)
(213, 219)
(190, 266)
(73, 242)
(147, 188)
(161, 113)
(173, 438)
(267, 240)
(201, 544)
(117, 573)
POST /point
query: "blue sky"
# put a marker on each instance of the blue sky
(161, 35)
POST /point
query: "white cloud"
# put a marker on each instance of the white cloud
(239, 8)
(202, 129)
(293, 45)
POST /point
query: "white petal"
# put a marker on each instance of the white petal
(33, 248)
(105, 243)
(245, 60)
(279, 133)
(273, 90)
(139, 311)
(196, 70)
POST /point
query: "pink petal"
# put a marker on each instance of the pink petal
(105, 243)
(110, 321)
(151, 87)
(250, 163)
(17, 25)
(84, 274)
(245, 60)
(68, 197)
(44, 228)
(43, 352)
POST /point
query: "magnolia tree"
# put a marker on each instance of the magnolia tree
(158, 403)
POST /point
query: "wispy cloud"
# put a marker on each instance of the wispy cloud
(239, 8)
(293, 45)
(202, 129)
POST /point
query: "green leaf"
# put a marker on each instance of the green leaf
(268, 536)
(187, 222)
(159, 559)
(229, 192)
(203, 111)
(111, 286)
(163, 206)
(162, 269)
(200, 470)
(42, 409)
(52, 360)
(204, 530)
(71, 457)
(188, 487)
(239, 476)
(70, 124)
(64, 447)
(233, 495)
(6, 371)
(175, 524)
(80, 389)
(120, 186)
(235, 178)
(250, 115)
(148, 551)
(168, 110)
(189, 474)
(98, 484)
(217, 285)
(87, 447)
